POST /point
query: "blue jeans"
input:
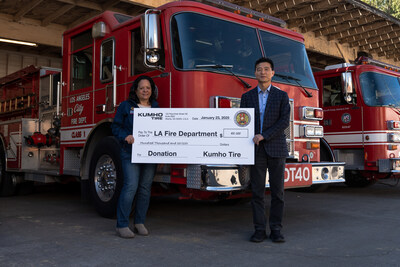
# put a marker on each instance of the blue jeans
(137, 180)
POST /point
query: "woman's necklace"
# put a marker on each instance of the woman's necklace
(144, 106)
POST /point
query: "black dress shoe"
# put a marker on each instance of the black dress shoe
(258, 236)
(277, 237)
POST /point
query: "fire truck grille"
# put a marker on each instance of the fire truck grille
(289, 131)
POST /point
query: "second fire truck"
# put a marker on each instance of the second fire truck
(361, 105)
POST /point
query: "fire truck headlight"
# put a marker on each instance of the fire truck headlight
(311, 131)
(335, 172)
(325, 173)
(319, 131)
(311, 113)
(396, 165)
(393, 125)
(394, 137)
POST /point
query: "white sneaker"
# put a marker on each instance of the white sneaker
(125, 232)
(141, 230)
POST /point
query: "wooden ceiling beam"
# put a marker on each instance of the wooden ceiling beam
(333, 21)
(83, 3)
(310, 9)
(25, 9)
(391, 55)
(352, 25)
(353, 30)
(255, 4)
(327, 15)
(109, 4)
(136, 11)
(369, 34)
(382, 44)
(90, 15)
(57, 14)
(377, 49)
(390, 34)
(147, 3)
(282, 6)
(30, 30)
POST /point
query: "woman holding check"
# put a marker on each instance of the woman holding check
(137, 177)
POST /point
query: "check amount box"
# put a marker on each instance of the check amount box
(236, 133)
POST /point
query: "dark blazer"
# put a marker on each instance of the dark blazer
(276, 119)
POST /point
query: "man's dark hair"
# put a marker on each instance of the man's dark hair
(135, 85)
(264, 59)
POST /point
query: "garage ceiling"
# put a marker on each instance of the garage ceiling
(349, 24)
(44, 21)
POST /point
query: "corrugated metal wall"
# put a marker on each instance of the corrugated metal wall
(12, 61)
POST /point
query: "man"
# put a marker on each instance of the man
(272, 112)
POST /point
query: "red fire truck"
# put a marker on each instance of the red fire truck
(361, 118)
(199, 55)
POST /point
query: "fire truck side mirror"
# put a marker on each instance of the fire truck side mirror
(151, 33)
(347, 83)
(347, 87)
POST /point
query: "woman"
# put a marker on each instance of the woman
(137, 177)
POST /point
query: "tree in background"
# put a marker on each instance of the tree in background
(392, 7)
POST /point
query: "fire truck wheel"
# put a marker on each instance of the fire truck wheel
(356, 179)
(8, 182)
(105, 179)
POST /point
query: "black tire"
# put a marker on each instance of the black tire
(26, 188)
(106, 177)
(8, 182)
(356, 179)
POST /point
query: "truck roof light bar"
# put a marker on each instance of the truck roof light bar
(244, 11)
(366, 60)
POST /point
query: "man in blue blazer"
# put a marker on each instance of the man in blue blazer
(272, 114)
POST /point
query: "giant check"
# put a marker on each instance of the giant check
(193, 136)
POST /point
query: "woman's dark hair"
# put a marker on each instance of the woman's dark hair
(135, 85)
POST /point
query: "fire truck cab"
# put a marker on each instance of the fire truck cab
(361, 104)
(200, 56)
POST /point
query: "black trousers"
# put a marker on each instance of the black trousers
(276, 170)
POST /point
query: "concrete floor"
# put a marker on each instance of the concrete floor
(340, 227)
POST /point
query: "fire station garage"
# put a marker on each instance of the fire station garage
(335, 31)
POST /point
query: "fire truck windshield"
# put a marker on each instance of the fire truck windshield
(200, 40)
(380, 89)
(290, 60)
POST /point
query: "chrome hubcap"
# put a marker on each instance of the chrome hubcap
(105, 178)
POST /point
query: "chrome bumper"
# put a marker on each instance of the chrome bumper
(225, 178)
(328, 172)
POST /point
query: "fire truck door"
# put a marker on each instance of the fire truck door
(79, 111)
(340, 117)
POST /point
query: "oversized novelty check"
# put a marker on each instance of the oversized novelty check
(193, 136)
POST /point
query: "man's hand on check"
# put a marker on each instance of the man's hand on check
(257, 139)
